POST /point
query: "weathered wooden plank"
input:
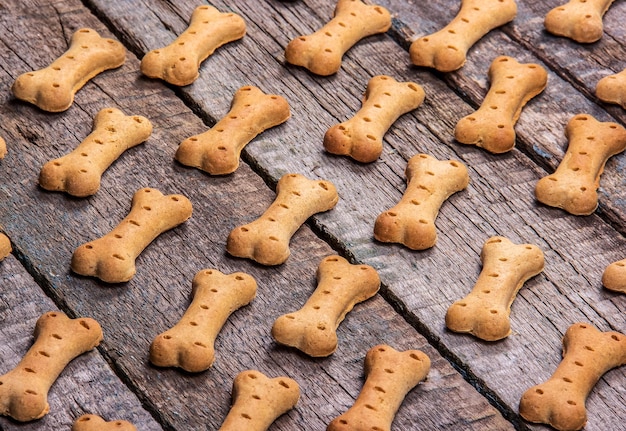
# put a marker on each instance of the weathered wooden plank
(499, 200)
(46, 227)
(87, 385)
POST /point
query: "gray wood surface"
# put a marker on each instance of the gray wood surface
(472, 385)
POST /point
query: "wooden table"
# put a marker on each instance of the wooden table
(472, 385)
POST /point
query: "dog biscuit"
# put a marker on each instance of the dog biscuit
(614, 276)
(512, 85)
(5, 246)
(53, 88)
(390, 375)
(266, 240)
(429, 183)
(258, 401)
(190, 343)
(485, 312)
(446, 50)
(322, 51)
(3, 148)
(587, 354)
(79, 173)
(612, 89)
(111, 258)
(573, 186)
(385, 100)
(96, 423)
(58, 340)
(340, 286)
(179, 62)
(217, 150)
(579, 20)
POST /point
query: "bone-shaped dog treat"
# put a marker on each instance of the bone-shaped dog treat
(580, 20)
(96, 423)
(390, 375)
(340, 285)
(587, 354)
(190, 343)
(79, 172)
(412, 221)
(258, 401)
(384, 102)
(111, 258)
(3, 148)
(217, 150)
(53, 88)
(5, 246)
(322, 51)
(573, 186)
(58, 340)
(446, 50)
(179, 62)
(266, 240)
(612, 89)
(512, 85)
(485, 312)
(614, 276)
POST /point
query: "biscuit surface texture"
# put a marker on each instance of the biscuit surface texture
(259, 400)
(385, 100)
(340, 285)
(573, 186)
(217, 150)
(579, 20)
(90, 422)
(58, 340)
(390, 375)
(266, 240)
(587, 355)
(322, 51)
(111, 258)
(79, 173)
(485, 311)
(190, 343)
(512, 85)
(53, 88)
(446, 50)
(429, 183)
(179, 63)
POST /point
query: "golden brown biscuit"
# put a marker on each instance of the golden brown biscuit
(258, 401)
(79, 173)
(587, 355)
(322, 51)
(412, 221)
(58, 340)
(53, 88)
(340, 285)
(266, 240)
(385, 100)
(179, 63)
(217, 150)
(190, 343)
(485, 312)
(111, 258)
(390, 375)
(573, 186)
(512, 85)
(446, 50)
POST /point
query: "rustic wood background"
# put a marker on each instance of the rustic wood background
(472, 385)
